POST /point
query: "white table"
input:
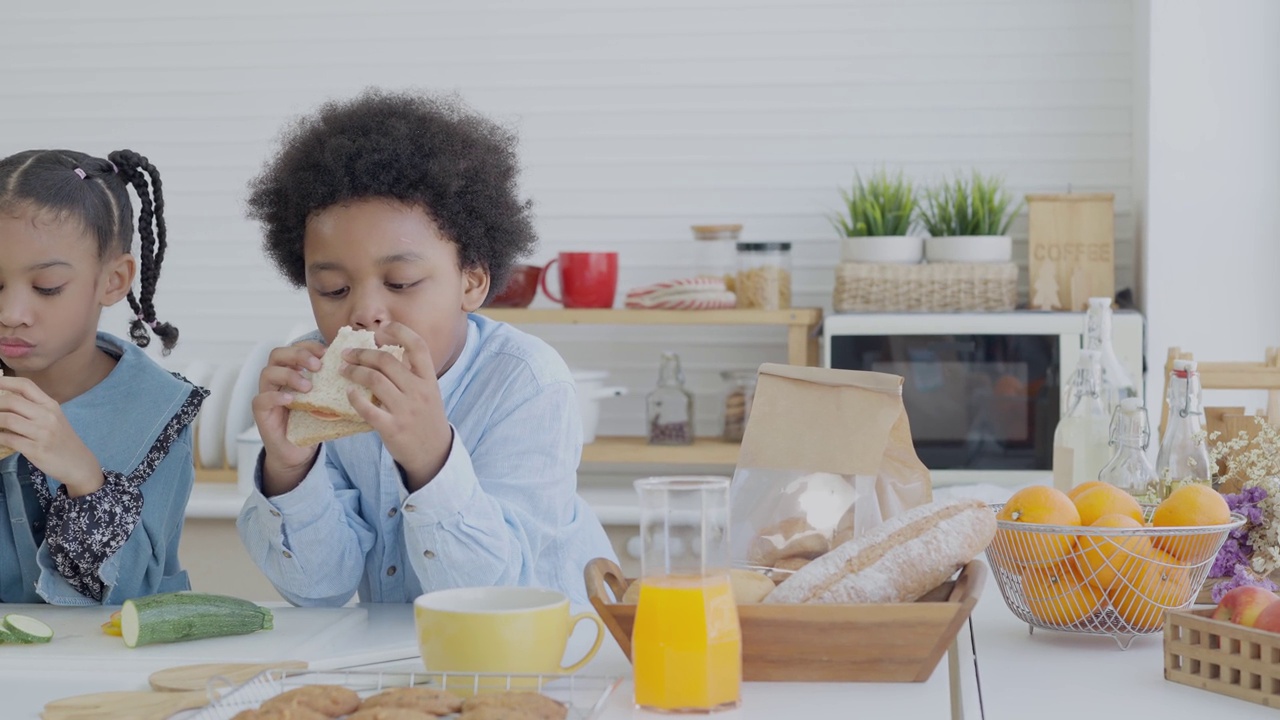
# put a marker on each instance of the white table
(82, 660)
(1048, 675)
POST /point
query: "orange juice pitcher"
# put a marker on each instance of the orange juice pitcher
(686, 644)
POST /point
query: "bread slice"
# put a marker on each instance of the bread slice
(325, 412)
(4, 451)
(305, 429)
(898, 561)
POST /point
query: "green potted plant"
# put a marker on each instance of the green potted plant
(968, 221)
(876, 224)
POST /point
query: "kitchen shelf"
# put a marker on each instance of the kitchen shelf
(801, 323)
(637, 450)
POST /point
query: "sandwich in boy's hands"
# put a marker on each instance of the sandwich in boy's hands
(325, 412)
(409, 414)
(309, 394)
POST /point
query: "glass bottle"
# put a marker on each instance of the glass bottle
(1184, 454)
(1116, 383)
(669, 406)
(737, 402)
(686, 644)
(1129, 469)
(1081, 442)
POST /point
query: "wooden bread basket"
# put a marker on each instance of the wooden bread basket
(900, 642)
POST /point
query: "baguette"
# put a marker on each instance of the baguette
(899, 561)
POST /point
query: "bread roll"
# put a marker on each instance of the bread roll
(793, 537)
(844, 529)
(791, 563)
(899, 561)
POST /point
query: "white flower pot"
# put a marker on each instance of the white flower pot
(591, 390)
(898, 249)
(969, 249)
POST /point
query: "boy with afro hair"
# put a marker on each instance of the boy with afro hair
(398, 214)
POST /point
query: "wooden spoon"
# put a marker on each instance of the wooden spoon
(124, 705)
(187, 678)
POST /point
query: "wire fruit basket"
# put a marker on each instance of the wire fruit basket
(1101, 580)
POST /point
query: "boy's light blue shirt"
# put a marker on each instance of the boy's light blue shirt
(504, 510)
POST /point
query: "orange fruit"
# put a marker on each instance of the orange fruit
(1148, 586)
(1073, 492)
(1106, 499)
(1038, 504)
(1100, 557)
(1057, 595)
(1188, 506)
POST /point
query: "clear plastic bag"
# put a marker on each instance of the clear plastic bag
(826, 457)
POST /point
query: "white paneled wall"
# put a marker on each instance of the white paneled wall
(638, 118)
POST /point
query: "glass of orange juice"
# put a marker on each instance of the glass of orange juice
(686, 644)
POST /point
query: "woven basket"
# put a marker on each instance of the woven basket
(942, 287)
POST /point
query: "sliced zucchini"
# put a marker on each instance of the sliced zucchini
(26, 629)
(180, 616)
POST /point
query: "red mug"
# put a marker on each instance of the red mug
(587, 279)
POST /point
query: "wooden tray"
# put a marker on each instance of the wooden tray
(1222, 657)
(824, 643)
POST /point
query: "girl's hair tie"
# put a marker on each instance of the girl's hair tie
(80, 172)
(114, 169)
(144, 321)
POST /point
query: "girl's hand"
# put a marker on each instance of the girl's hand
(410, 419)
(285, 464)
(32, 423)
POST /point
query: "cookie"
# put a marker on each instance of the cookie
(293, 712)
(497, 712)
(330, 700)
(390, 713)
(424, 700)
(535, 704)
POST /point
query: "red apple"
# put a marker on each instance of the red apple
(1268, 619)
(1242, 605)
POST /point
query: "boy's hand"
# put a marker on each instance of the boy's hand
(410, 419)
(285, 464)
(32, 423)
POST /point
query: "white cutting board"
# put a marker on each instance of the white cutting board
(328, 637)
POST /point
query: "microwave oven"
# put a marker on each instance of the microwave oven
(983, 391)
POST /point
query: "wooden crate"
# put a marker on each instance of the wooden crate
(1071, 249)
(900, 642)
(1221, 657)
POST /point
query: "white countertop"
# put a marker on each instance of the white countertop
(1047, 675)
(83, 660)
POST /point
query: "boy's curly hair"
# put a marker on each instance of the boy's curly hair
(428, 152)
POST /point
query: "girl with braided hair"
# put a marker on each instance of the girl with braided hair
(95, 437)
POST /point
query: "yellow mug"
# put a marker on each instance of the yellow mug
(509, 630)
